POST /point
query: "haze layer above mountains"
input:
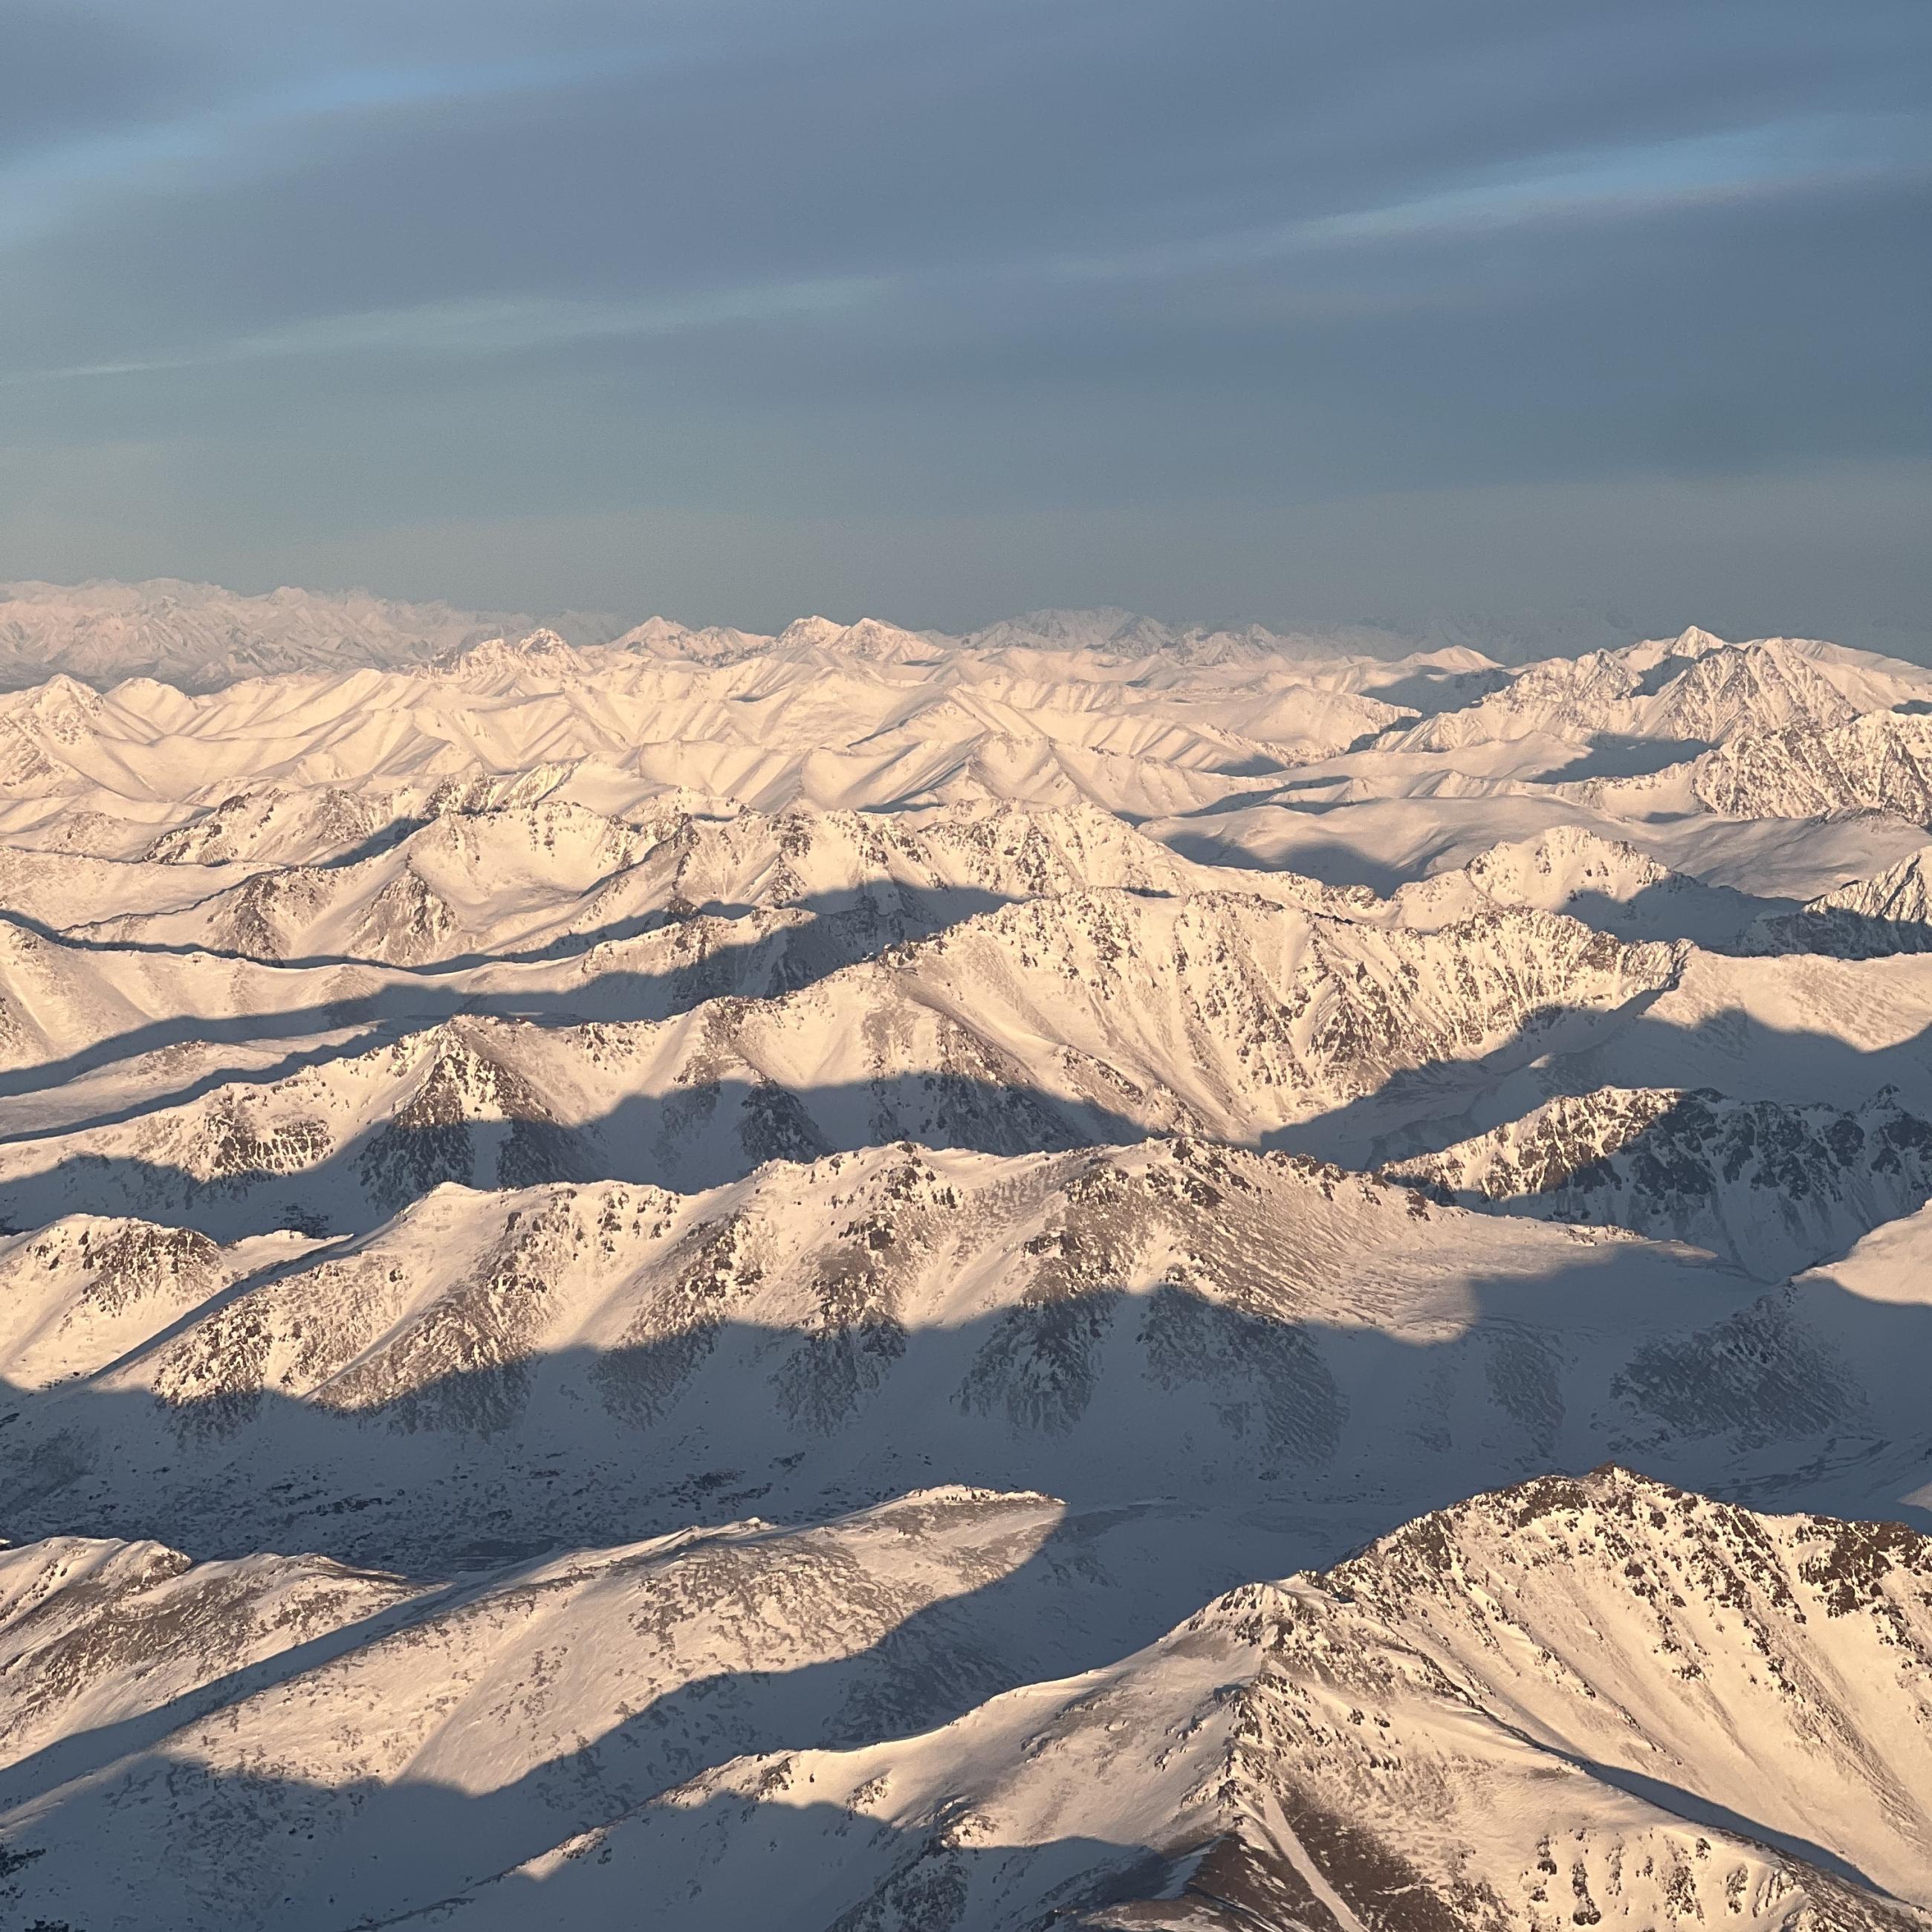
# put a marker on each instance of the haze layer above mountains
(199, 636)
(1092, 1276)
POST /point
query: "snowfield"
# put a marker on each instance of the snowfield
(1092, 1275)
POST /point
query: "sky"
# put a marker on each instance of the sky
(1286, 312)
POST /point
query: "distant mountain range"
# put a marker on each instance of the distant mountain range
(200, 636)
(1097, 1276)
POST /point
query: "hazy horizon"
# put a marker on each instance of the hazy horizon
(1509, 637)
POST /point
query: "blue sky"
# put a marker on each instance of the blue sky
(939, 311)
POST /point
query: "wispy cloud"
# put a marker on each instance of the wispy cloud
(43, 187)
(488, 326)
(1631, 182)
(1626, 183)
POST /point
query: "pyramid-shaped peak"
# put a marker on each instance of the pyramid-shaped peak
(61, 695)
(810, 631)
(1695, 641)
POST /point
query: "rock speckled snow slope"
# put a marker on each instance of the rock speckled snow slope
(1062, 1124)
(581, 1353)
(1769, 1186)
(1579, 1702)
(1089, 1017)
(332, 1777)
(1609, 884)
(1890, 913)
(1245, 1332)
(1576, 1702)
(1879, 762)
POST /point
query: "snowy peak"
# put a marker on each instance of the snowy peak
(62, 710)
(867, 641)
(1569, 869)
(1901, 896)
(1889, 913)
(1629, 1627)
(1694, 640)
(1722, 694)
(541, 656)
(414, 881)
(89, 1283)
(1695, 690)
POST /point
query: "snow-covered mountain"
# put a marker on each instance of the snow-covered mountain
(695, 1279)
(1577, 1701)
(1771, 1186)
(1890, 913)
(1080, 1018)
(1299, 1333)
(805, 720)
(1694, 689)
(1289, 1358)
(200, 636)
(1609, 884)
(1879, 761)
(450, 876)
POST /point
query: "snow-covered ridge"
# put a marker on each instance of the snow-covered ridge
(641, 1275)
(1890, 912)
(692, 1051)
(1107, 1324)
(1695, 689)
(1598, 1696)
(1769, 1186)
(199, 636)
(1878, 761)
(409, 884)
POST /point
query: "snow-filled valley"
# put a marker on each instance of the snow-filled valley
(1091, 1276)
